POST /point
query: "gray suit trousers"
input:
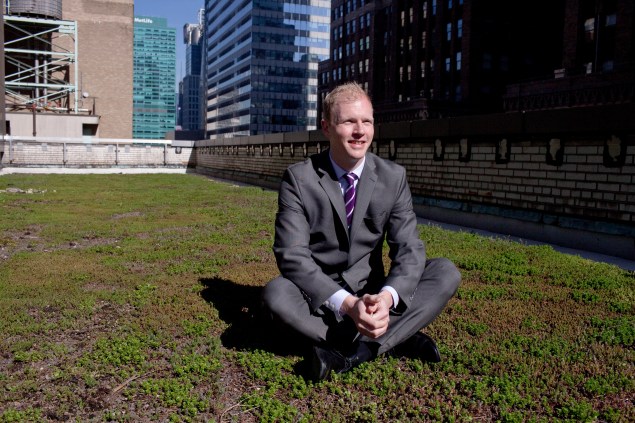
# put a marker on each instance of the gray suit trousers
(288, 304)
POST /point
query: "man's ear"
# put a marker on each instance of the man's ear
(325, 127)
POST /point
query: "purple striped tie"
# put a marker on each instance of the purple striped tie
(349, 196)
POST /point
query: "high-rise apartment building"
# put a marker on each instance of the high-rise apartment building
(154, 76)
(261, 65)
(423, 59)
(191, 87)
(596, 61)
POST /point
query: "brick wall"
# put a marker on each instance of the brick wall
(561, 176)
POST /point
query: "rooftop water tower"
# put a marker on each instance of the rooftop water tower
(47, 9)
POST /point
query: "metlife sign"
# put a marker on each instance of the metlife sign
(143, 20)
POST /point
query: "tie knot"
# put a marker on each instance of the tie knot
(350, 178)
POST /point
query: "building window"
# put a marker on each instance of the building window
(400, 73)
(449, 4)
(434, 7)
(424, 10)
(487, 61)
(448, 31)
(411, 14)
(447, 64)
(589, 29)
(410, 42)
(459, 28)
(423, 69)
(403, 18)
(611, 19)
(409, 72)
(504, 63)
(458, 61)
(424, 37)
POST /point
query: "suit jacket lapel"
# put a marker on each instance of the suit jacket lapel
(331, 185)
(364, 193)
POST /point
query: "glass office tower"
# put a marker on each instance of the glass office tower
(154, 78)
(261, 63)
(191, 89)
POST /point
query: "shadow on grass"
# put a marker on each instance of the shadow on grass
(250, 326)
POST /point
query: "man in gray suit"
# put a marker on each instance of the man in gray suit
(335, 210)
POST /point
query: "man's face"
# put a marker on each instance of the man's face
(350, 132)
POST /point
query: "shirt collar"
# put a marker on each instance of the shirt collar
(339, 172)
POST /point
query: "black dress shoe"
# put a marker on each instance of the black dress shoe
(325, 361)
(419, 346)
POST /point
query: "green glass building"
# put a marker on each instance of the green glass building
(154, 78)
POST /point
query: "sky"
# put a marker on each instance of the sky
(178, 13)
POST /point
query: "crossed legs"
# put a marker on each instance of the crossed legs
(288, 304)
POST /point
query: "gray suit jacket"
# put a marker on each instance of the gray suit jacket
(312, 244)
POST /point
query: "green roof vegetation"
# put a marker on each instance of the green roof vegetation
(136, 298)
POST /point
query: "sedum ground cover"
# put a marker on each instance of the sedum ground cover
(136, 298)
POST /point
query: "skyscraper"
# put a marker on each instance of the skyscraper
(191, 86)
(261, 65)
(154, 99)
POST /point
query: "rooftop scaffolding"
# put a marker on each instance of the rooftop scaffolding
(41, 64)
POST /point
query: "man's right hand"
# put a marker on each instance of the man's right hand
(370, 314)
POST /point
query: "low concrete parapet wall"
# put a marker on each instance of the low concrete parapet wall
(562, 176)
(86, 153)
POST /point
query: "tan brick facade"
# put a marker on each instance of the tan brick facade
(105, 35)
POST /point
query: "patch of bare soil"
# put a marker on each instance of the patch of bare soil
(13, 242)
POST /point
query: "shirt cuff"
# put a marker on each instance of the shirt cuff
(395, 296)
(334, 303)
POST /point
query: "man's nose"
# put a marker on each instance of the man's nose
(358, 127)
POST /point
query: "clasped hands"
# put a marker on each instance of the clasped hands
(371, 313)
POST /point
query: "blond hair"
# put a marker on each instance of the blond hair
(347, 92)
